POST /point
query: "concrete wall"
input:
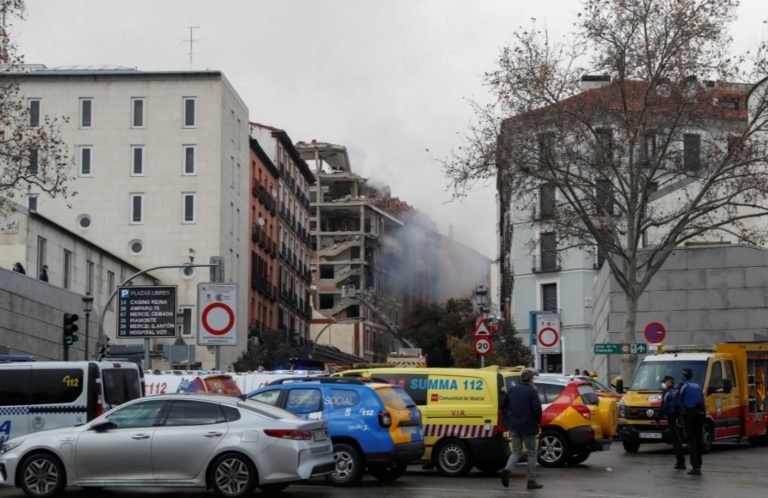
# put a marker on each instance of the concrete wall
(702, 295)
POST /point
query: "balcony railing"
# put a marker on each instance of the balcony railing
(545, 263)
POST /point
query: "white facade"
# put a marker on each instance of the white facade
(161, 167)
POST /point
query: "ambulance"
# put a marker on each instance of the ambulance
(460, 414)
(733, 377)
(39, 395)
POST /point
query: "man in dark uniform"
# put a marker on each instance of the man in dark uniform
(674, 423)
(691, 408)
(521, 414)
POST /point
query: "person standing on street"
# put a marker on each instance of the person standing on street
(691, 408)
(521, 414)
(43, 274)
(669, 412)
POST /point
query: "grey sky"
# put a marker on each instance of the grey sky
(387, 79)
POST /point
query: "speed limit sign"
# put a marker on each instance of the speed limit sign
(482, 345)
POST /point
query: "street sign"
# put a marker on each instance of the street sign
(146, 311)
(481, 329)
(483, 345)
(618, 348)
(217, 319)
(655, 332)
(545, 319)
(548, 340)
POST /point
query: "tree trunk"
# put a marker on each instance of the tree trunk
(629, 361)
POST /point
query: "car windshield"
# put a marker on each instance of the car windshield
(650, 373)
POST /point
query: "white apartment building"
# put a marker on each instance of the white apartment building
(160, 167)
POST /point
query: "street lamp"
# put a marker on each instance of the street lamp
(87, 308)
(314, 342)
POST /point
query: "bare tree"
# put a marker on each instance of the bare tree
(33, 156)
(661, 150)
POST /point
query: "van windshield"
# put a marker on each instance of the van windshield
(650, 373)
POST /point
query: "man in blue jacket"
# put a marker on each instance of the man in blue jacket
(674, 424)
(691, 406)
(521, 414)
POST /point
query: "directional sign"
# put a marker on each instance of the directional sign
(655, 332)
(146, 311)
(481, 329)
(217, 305)
(618, 348)
(483, 345)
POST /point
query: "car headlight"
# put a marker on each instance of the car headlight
(10, 445)
(622, 410)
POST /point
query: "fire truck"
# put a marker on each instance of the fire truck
(733, 377)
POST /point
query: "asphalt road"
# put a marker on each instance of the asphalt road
(731, 471)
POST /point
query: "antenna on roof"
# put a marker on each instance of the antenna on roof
(192, 39)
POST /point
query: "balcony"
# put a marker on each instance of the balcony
(546, 263)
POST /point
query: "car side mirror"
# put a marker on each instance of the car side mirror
(104, 425)
(620, 386)
(727, 386)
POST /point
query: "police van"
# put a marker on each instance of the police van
(35, 396)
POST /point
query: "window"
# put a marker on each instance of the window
(137, 160)
(42, 244)
(188, 208)
(548, 393)
(187, 412)
(32, 202)
(137, 208)
(137, 112)
(111, 287)
(302, 401)
(120, 385)
(547, 201)
(34, 113)
(604, 152)
(189, 157)
(604, 197)
(729, 372)
(89, 276)
(268, 397)
(46, 386)
(142, 414)
(691, 151)
(548, 251)
(86, 112)
(549, 297)
(34, 161)
(546, 156)
(648, 154)
(190, 119)
(186, 321)
(716, 376)
(326, 271)
(85, 157)
(67, 269)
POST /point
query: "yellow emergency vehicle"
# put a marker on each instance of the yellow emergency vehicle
(733, 377)
(460, 414)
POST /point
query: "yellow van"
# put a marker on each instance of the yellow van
(460, 414)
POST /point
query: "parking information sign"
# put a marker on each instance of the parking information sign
(217, 320)
(146, 311)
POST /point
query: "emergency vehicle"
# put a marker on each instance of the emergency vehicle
(732, 376)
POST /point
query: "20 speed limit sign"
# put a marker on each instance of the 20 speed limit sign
(483, 345)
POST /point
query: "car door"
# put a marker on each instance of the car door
(121, 451)
(185, 439)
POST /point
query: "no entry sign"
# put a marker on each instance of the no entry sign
(548, 340)
(217, 305)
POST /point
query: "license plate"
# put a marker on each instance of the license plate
(650, 435)
(320, 435)
(409, 429)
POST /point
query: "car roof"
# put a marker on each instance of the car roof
(218, 398)
(556, 379)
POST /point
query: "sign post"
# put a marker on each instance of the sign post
(217, 320)
(482, 331)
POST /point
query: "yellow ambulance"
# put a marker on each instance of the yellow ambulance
(460, 413)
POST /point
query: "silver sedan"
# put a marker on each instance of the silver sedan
(211, 441)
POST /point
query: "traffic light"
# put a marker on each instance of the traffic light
(69, 328)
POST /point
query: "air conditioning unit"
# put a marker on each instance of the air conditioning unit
(159, 348)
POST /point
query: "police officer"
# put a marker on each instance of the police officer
(691, 408)
(669, 412)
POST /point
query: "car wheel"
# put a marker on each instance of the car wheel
(387, 473)
(758, 440)
(273, 488)
(631, 446)
(42, 475)
(707, 438)
(579, 457)
(349, 465)
(233, 475)
(553, 449)
(452, 458)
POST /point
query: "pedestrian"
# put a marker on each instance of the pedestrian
(674, 423)
(691, 408)
(18, 268)
(521, 414)
(44, 274)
